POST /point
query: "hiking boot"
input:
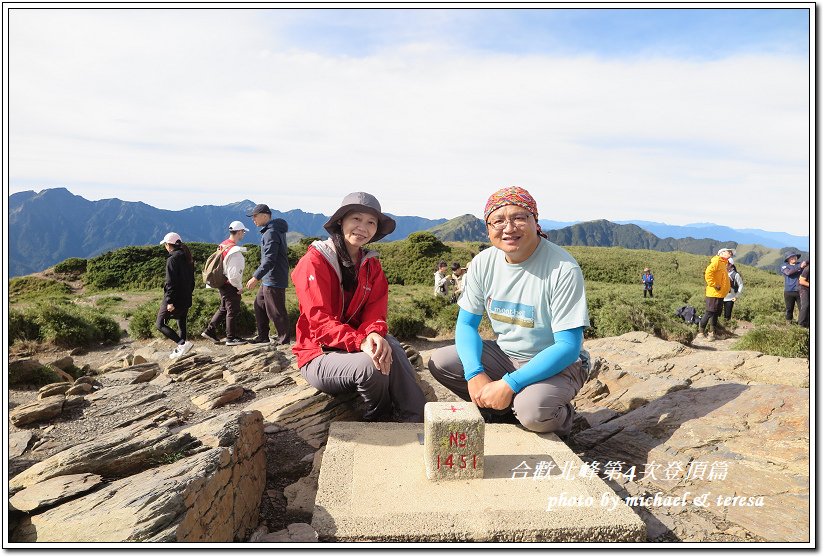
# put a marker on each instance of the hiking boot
(235, 341)
(257, 340)
(211, 335)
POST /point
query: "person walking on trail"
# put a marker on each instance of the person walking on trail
(273, 274)
(736, 289)
(533, 293)
(718, 286)
(804, 296)
(177, 293)
(647, 279)
(441, 281)
(233, 264)
(791, 271)
(342, 342)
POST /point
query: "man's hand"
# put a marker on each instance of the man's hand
(496, 395)
(251, 283)
(379, 350)
(476, 385)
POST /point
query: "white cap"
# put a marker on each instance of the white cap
(722, 250)
(730, 261)
(171, 238)
(237, 225)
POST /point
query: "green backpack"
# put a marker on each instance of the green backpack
(213, 275)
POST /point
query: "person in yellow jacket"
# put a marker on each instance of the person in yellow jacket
(718, 286)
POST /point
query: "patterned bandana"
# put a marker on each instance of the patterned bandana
(513, 195)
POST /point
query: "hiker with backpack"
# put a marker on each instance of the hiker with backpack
(736, 288)
(341, 340)
(224, 271)
(647, 279)
(177, 292)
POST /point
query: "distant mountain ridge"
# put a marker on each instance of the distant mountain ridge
(603, 233)
(52, 225)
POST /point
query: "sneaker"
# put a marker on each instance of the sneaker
(211, 335)
(185, 347)
(712, 336)
(176, 353)
(257, 340)
(234, 341)
(704, 334)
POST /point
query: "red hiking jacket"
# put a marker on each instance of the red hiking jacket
(322, 324)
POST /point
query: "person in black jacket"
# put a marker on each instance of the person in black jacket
(273, 274)
(177, 292)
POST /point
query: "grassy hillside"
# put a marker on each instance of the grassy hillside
(612, 275)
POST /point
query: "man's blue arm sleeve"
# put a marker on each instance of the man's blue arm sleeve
(549, 361)
(468, 343)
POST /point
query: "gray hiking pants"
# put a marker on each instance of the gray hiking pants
(542, 407)
(342, 372)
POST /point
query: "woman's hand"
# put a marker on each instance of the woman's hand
(496, 395)
(379, 350)
(170, 307)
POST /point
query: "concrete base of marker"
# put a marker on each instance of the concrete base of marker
(373, 487)
(453, 441)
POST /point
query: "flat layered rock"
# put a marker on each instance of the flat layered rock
(37, 411)
(140, 373)
(726, 440)
(53, 389)
(19, 442)
(52, 491)
(218, 397)
(307, 411)
(211, 496)
(116, 454)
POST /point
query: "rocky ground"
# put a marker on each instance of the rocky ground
(647, 401)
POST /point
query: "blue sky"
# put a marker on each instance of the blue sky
(667, 115)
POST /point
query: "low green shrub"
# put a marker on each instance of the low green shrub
(405, 324)
(786, 341)
(22, 326)
(65, 325)
(73, 267)
(31, 288)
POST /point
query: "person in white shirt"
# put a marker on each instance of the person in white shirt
(233, 264)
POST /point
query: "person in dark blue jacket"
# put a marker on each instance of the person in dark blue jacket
(177, 292)
(273, 274)
(791, 271)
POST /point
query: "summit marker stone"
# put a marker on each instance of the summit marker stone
(453, 441)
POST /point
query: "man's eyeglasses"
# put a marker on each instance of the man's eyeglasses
(518, 221)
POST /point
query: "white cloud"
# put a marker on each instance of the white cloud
(181, 108)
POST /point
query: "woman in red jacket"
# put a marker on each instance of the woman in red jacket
(341, 342)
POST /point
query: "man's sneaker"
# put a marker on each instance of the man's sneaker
(257, 340)
(234, 341)
(211, 335)
(185, 347)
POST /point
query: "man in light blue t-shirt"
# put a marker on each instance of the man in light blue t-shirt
(533, 292)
